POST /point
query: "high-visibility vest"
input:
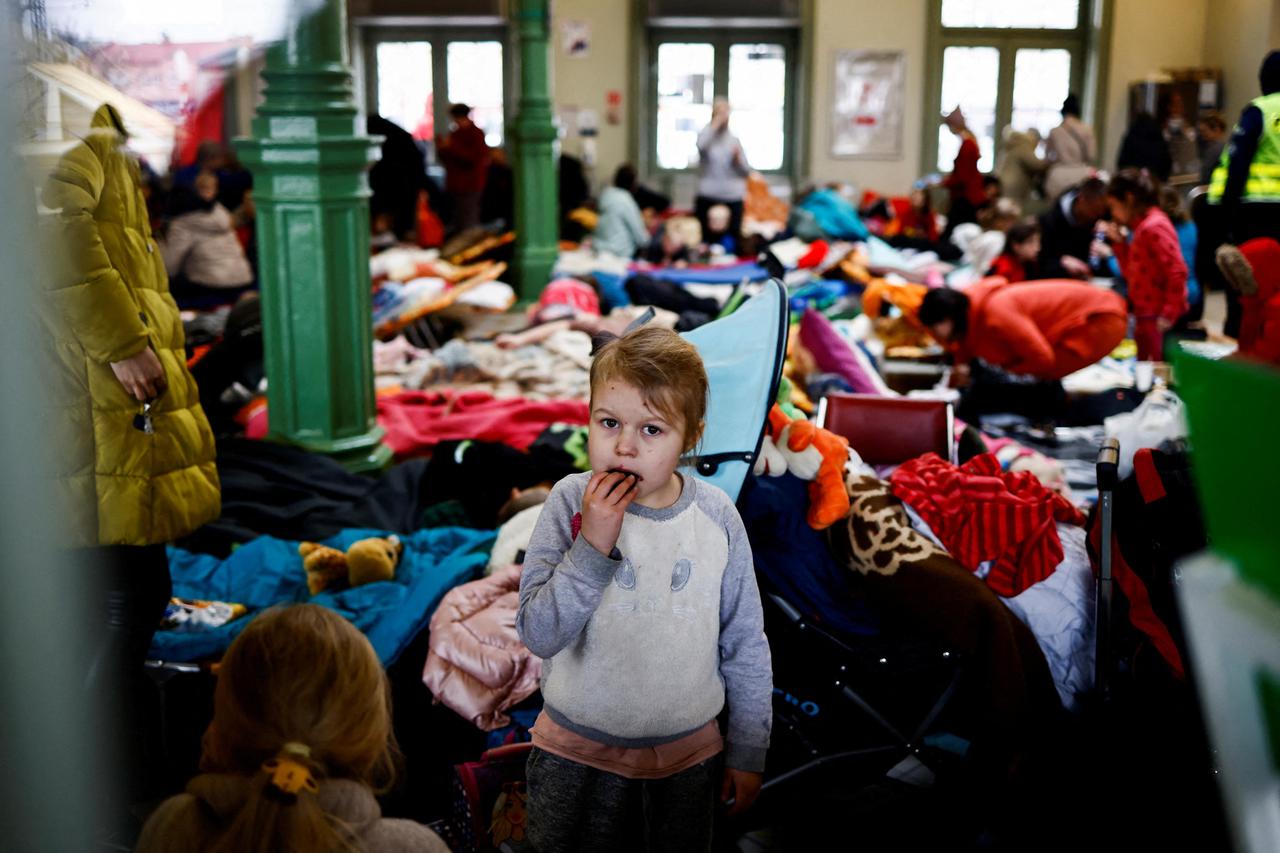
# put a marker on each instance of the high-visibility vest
(1264, 172)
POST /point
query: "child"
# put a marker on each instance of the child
(1151, 262)
(1021, 256)
(639, 594)
(1174, 207)
(301, 735)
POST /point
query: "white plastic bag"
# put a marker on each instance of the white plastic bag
(1161, 417)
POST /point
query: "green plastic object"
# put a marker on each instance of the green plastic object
(1233, 410)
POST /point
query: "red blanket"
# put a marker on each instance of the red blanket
(417, 421)
(983, 513)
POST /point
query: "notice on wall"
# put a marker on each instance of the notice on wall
(867, 104)
(575, 38)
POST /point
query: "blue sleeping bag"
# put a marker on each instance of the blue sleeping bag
(268, 571)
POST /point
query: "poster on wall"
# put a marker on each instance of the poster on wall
(575, 39)
(867, 103)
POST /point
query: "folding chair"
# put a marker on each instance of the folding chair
(890, 430)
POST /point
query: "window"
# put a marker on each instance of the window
(1005, 63)
(475, 79)
(752, 68)
(686, 82)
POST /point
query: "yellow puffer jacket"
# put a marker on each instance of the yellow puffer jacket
(109, 299)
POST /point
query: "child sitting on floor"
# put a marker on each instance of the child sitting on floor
(639, 594)
(300, 740)
(1021, 256)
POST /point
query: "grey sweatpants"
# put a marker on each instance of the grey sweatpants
(574, 808)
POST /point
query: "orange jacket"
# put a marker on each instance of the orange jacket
(1019, 327)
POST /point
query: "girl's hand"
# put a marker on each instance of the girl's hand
(741, 786)
(604, 505)
(1163, 324)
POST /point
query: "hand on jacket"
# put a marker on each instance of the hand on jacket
(142, 375)
(742, 786)
(604, 505)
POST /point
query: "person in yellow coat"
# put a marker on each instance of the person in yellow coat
(134, 462)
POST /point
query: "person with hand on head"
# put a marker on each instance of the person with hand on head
(965, 183)
(299, 744)
(1150, 261)
(134, 469)
(639, 594)
(722, 174)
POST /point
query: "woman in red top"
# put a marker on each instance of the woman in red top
(965, 181)
(1020, 260)
(1151, 262)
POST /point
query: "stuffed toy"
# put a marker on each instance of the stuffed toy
(365, 561)
(810, 453)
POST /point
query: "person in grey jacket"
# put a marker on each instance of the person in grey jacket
(722, 173)
(639, 594)
(200, 249)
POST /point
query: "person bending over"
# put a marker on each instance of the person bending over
(1045, 329)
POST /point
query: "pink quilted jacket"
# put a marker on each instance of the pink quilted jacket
(476, 664)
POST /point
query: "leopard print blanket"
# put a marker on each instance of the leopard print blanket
(876, 535)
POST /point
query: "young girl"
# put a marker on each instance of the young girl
(1174, 207)
(1151, 261)
(301, 735)
(639, 594)
(1021, 256)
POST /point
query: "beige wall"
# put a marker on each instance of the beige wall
(1237, 35)
(843, 25)
(1147, 35)
(583, 83)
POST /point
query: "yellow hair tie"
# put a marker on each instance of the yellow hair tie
(291, 776)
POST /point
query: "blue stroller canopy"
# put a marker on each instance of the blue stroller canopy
(743, 355)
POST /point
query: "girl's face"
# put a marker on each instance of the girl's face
(626, 434)
(1028, 250)
(1121, 209)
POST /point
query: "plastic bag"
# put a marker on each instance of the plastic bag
(1161, 417)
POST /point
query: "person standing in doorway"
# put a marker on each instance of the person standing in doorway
(465, 156)
(1071, 151)
(722, 174)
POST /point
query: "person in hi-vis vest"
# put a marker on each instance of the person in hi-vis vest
(1246, 183)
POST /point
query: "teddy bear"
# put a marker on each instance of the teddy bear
(811, 453)
(365, 561)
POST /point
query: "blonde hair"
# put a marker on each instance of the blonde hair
(300, 674)
(667, 371)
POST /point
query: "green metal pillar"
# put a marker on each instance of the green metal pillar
(309, 163)
(537, 189)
